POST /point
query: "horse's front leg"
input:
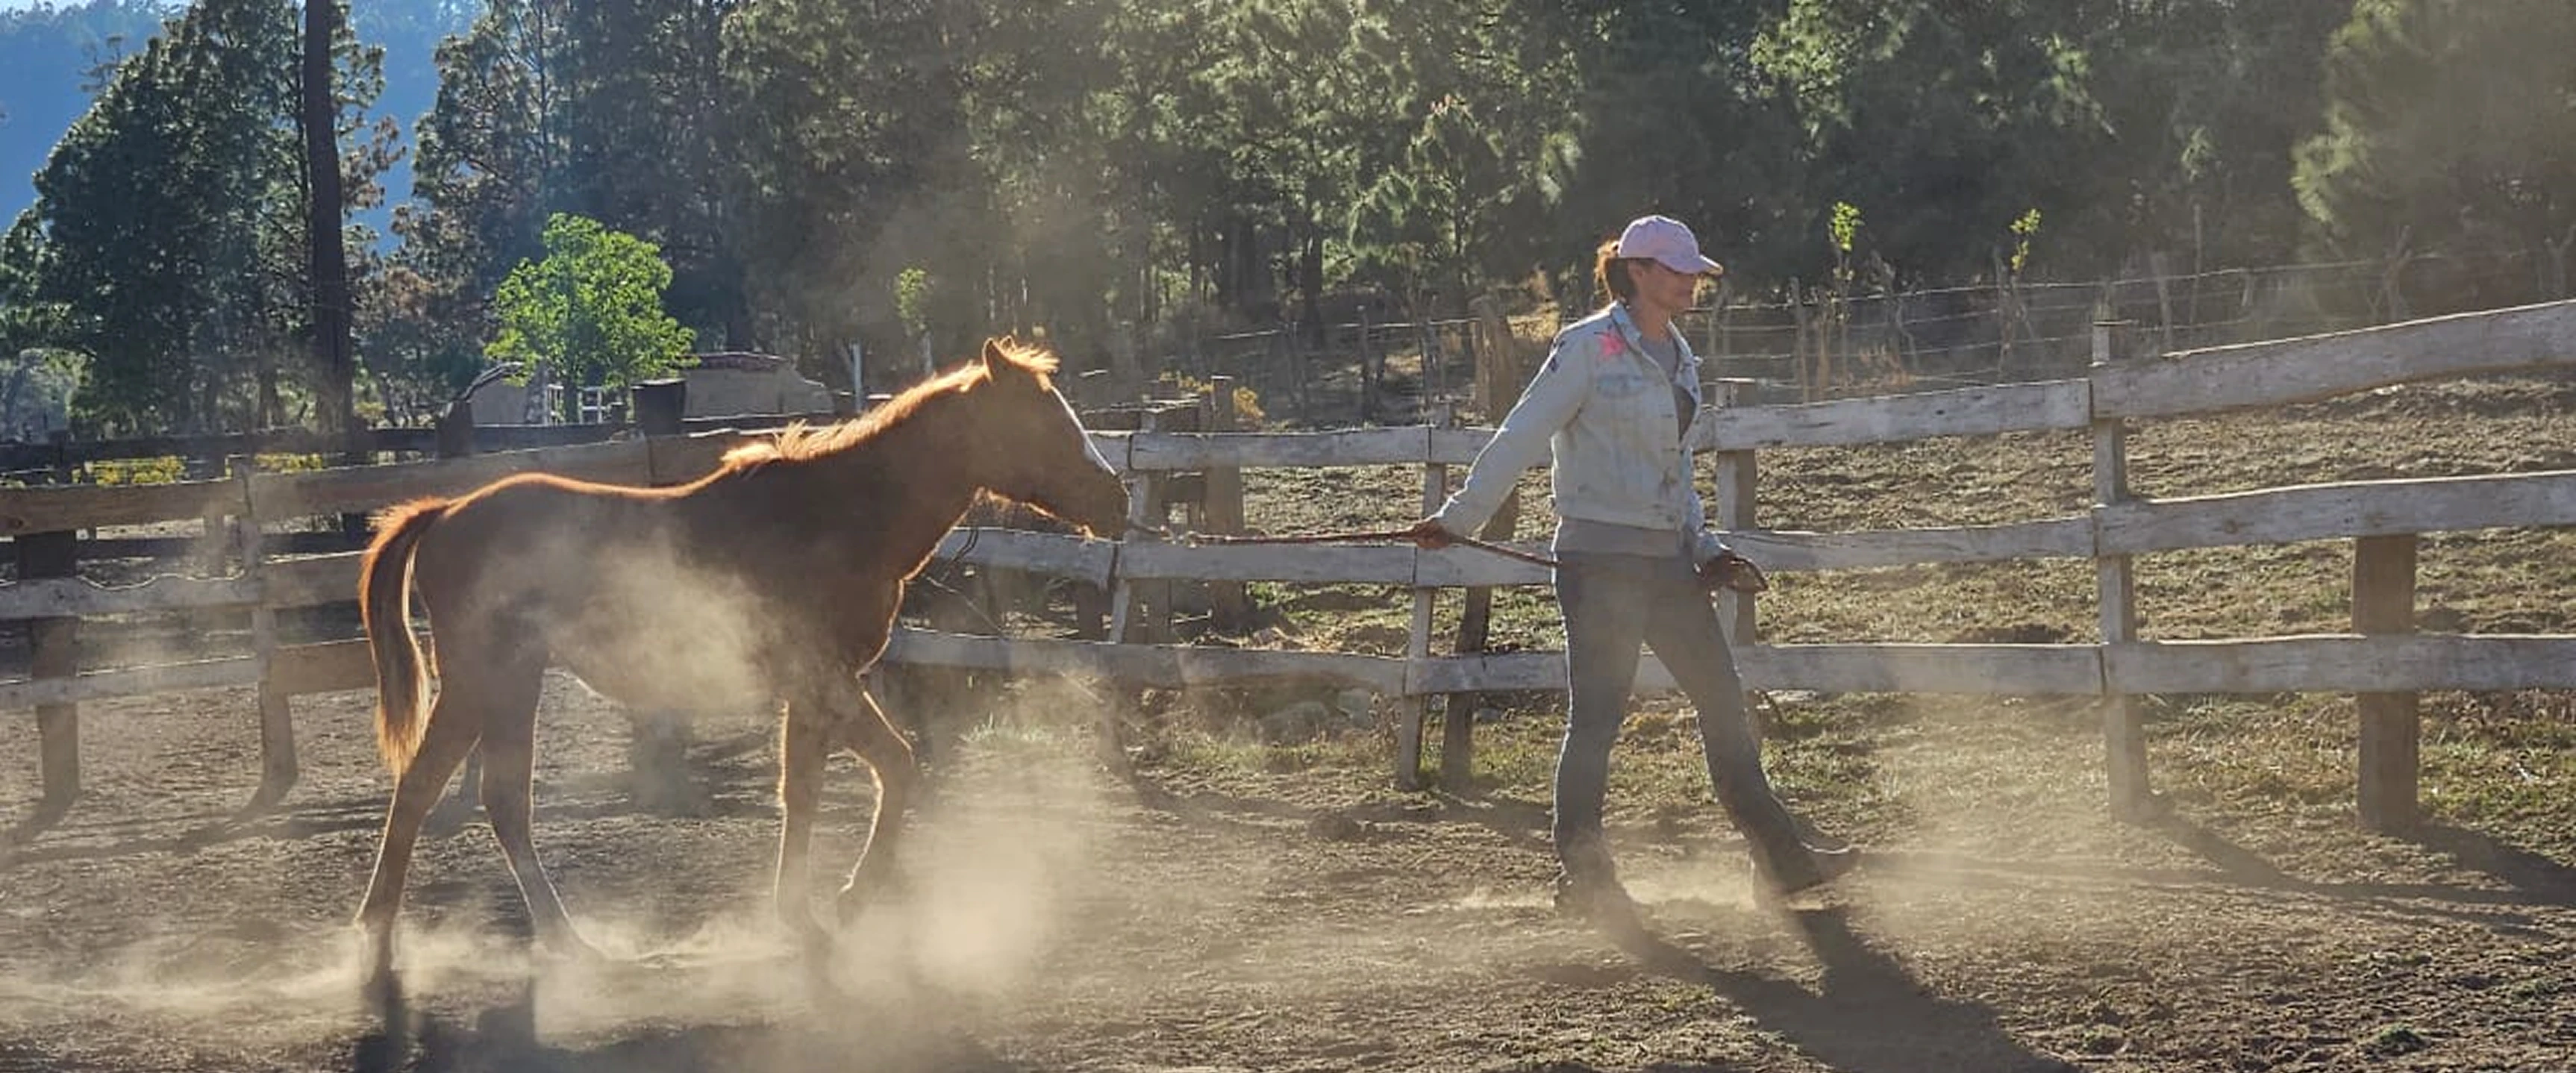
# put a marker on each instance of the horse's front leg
(898, 775)
(803, 740)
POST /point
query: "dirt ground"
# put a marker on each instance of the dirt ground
(1222, 915)
(1241, 921)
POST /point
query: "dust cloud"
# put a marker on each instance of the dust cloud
(1024, 887)
(2004, 797)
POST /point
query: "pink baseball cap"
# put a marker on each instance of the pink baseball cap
(1667, 241)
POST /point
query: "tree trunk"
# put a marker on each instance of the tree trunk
(329, 262)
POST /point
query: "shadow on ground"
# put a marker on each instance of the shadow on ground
(503, 1036)
(1867, 1015)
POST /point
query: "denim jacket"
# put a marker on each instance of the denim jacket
(1602, 410)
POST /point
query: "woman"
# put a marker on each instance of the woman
(1611, 407)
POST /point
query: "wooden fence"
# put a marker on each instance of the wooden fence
(2382, 659)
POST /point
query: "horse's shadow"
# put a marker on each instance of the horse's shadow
(503, 1036)
(1868, 1014)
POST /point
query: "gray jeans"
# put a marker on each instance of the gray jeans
(1612, 603)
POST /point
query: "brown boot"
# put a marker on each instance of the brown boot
(1596, 899)
(1587, 886)
(1808, 868)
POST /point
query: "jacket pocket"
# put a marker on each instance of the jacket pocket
(1623, 386)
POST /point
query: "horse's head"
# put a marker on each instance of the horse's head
(1034, 449)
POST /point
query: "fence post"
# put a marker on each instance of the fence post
(2115, 579)
(1459, 719)
(1415, 709)
(1300, 368)
(1221, 511)
(1708, 347)
(277, 767)
(1125, 382)
(1429, 336)
(455, 439)
(1498, 366)
(2383, 602)
(2164, 301)
(1128, 599)
(660, 406)
(658, 753)
(1798, 354)
(1732, 510)
(1144, 508)
(1498, 379)
(1368, 369)
(54, 652)
(456, 430)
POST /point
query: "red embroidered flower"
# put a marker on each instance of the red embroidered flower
(1613, 345)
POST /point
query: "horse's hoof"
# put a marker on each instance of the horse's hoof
(381, 990)
(854, 900)
(376, 949)
(862, 891)
(826, 989)
(805, 931)
(568, 948)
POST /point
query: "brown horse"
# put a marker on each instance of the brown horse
(774, 579)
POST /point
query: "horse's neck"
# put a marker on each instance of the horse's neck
(916, 480)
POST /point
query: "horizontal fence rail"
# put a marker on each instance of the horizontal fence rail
(2376, 660)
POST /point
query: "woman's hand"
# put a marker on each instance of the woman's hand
(1429, 535)
(1733, 572)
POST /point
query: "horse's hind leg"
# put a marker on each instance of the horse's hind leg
(898, 775)
(508, 753)
(444, 742)
(804, 739)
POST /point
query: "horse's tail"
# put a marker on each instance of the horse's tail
(384, 606)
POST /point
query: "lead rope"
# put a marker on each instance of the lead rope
(1373, 536)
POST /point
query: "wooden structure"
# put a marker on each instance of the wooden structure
(2383, 660)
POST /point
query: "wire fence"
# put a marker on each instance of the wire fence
(1828, 343)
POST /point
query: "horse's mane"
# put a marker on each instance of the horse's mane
(800, 441)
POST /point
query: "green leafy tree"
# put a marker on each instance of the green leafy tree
(160, 215)
(49, 56)
(590, 313)
(646, 101)
(484, 167)
(853, 162)
(1302, 113)
(1932, 115)
(167, 244)
(2200, 102)
(1490, 151)
(2450, 126)
(1432, 225)
(1065, 167)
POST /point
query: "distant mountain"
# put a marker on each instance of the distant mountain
(53, 58)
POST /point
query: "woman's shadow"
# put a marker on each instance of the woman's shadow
(1868, 1014)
